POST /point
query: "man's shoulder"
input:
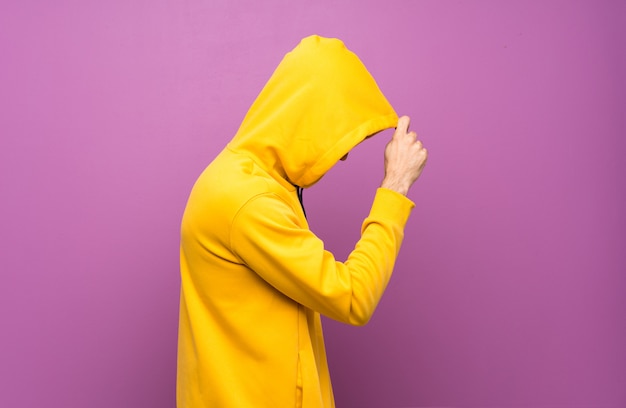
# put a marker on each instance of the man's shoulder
(231, 181)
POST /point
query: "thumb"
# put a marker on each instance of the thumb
(403, 124)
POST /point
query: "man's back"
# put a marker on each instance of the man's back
(235, 328)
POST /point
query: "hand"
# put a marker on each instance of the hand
(405, 158)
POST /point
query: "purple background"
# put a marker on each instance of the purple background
(510, 287)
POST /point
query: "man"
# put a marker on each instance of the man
(254, 277)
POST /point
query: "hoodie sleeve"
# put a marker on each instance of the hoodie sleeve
(266, 236)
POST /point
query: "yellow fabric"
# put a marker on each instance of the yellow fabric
(254, 277)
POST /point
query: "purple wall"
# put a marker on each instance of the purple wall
(510, 288)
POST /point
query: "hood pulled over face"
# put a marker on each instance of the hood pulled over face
(318, 104)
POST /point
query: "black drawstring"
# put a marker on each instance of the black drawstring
(299, 191)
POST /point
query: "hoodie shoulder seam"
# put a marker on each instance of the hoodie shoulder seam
(242, 208)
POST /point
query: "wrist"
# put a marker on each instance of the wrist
(395, 185)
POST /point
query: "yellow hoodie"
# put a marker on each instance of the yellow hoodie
(254, 277)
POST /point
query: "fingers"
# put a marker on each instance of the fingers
(402, 134)
(402, 130)
(424, 156)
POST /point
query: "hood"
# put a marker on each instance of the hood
(318, 104)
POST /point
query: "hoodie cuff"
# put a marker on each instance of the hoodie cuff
(391, 205)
